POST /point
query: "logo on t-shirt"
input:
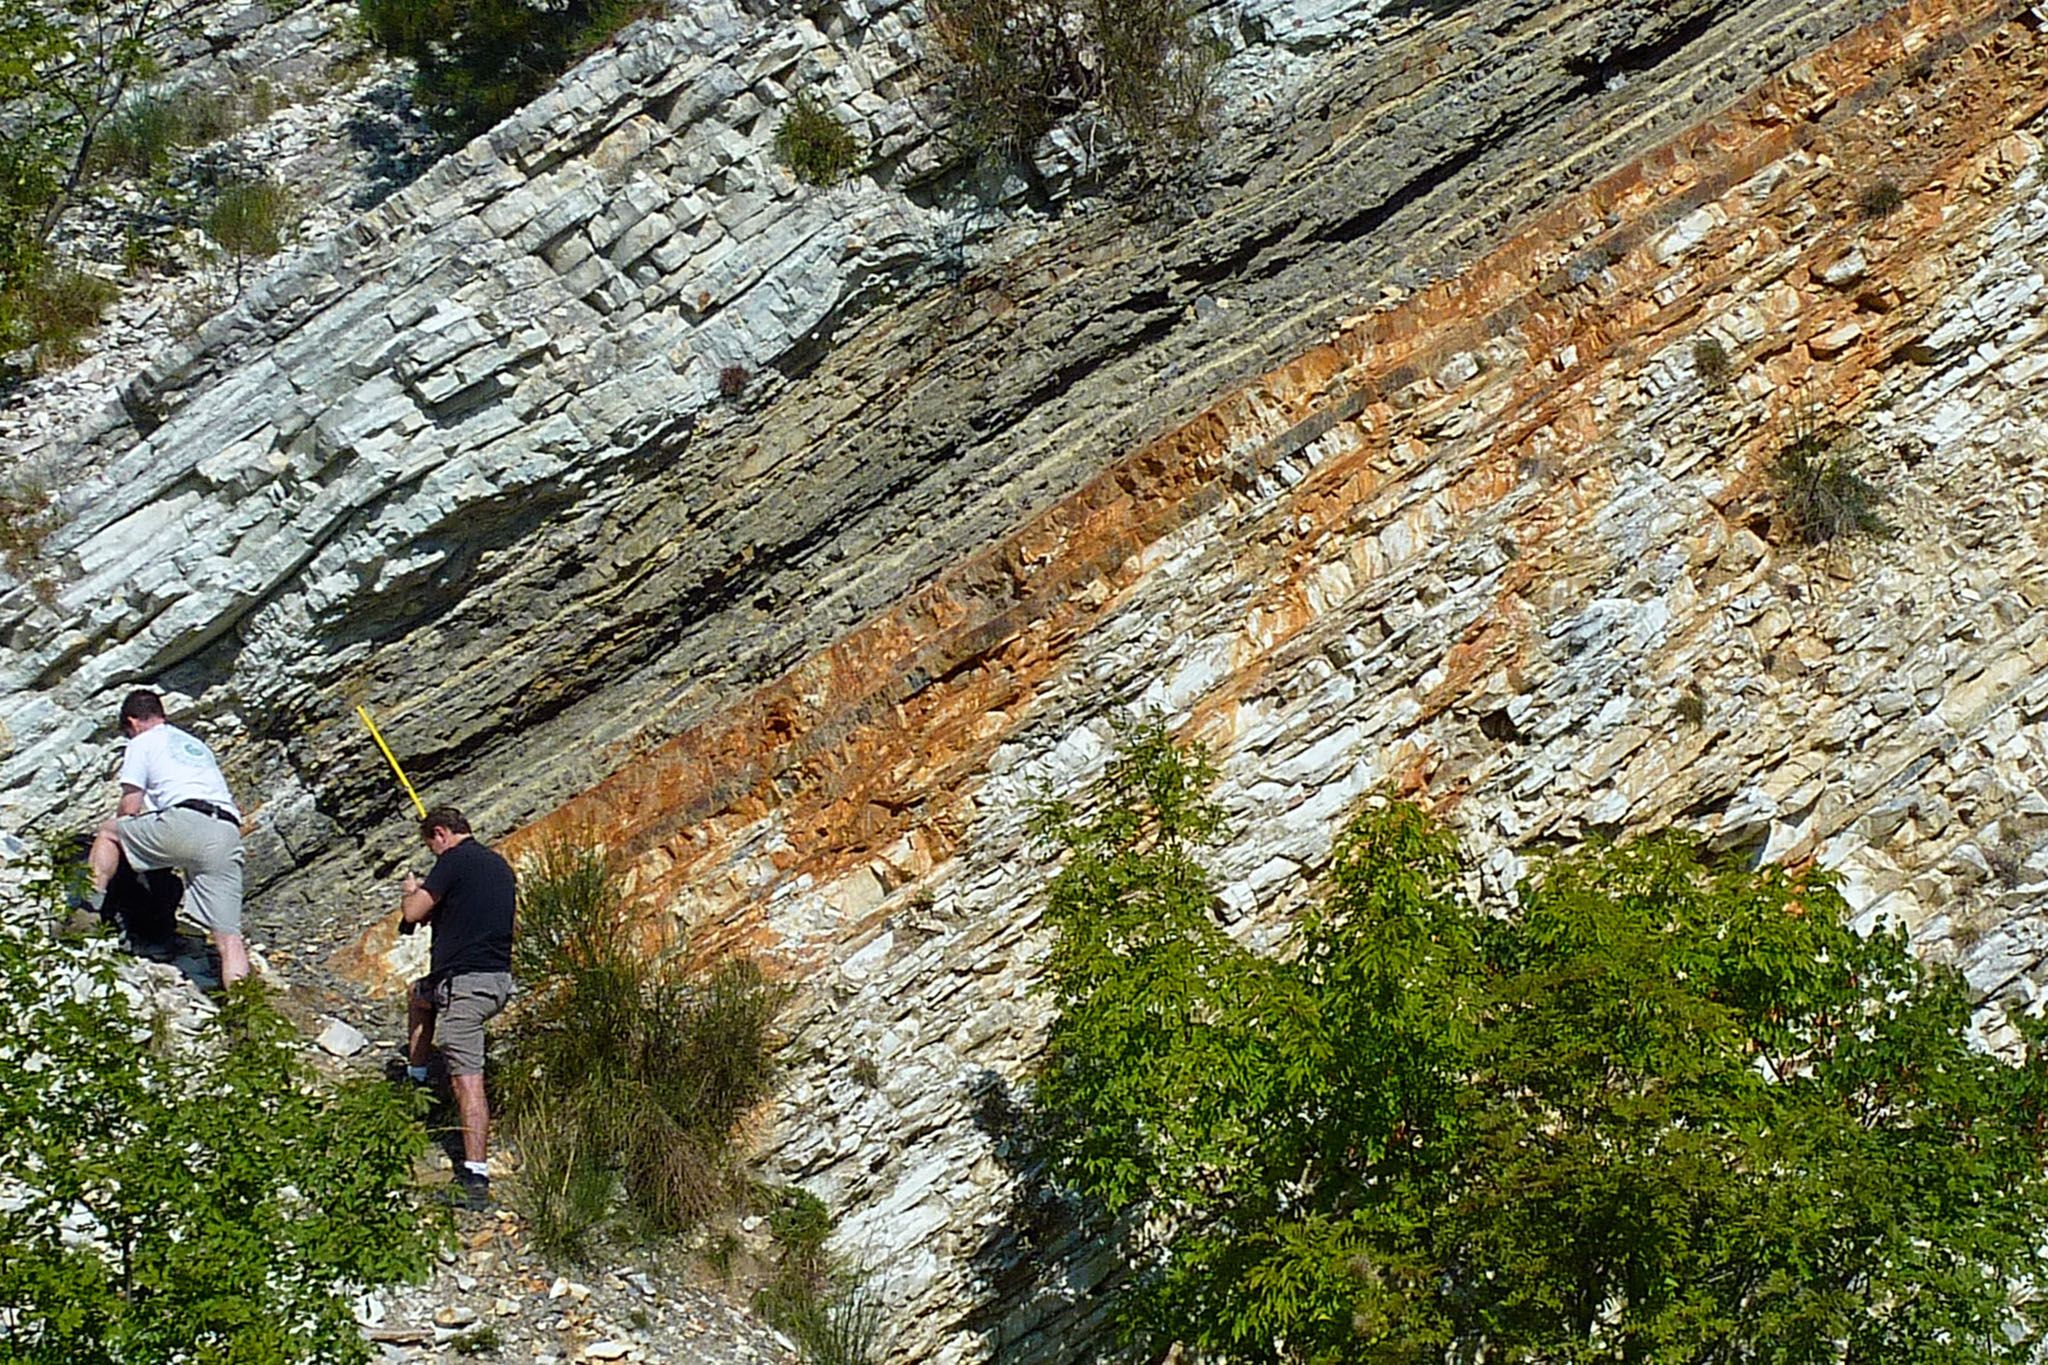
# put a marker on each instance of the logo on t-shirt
(192, 749)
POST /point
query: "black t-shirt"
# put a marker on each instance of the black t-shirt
(473, 890)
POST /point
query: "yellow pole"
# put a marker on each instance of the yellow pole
(392, 759)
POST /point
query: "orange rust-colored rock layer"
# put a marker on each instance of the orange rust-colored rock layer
(874, 743)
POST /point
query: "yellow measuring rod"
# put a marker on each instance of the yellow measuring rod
(392, 759)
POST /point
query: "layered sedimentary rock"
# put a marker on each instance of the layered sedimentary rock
(469, 460)
(1498, 545)
(1385, 462)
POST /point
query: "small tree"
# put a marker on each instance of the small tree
(1661, 1108)
(208, 1201)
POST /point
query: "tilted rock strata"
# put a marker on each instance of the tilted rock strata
(467, 461)
(1481, 546)
(1476, 542)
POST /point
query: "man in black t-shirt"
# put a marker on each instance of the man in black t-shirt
(468, 899)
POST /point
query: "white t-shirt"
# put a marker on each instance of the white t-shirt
(170, 766)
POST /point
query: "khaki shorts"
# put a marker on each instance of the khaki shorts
(206, 849)
(461, 1004)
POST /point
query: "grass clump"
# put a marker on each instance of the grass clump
(1821, 494)
(1880, 199)
(628, 1073)
(818, 149)
(53, 310)
(141, 137)
(1712, 363)
(1012, 69)
(830, 1312)
(250, 219)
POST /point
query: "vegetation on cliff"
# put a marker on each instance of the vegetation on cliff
(1661, 1107)
(627, 1075)
(204, 1200)
(1012, 69)
(478, 60)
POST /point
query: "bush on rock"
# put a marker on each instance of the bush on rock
(1662, 1107)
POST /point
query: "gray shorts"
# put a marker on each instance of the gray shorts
(206, 849)
(461, 1004)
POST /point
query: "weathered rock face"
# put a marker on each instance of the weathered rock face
(1489, 538)
(468, 460)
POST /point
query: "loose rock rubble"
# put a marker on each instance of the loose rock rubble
(491, 1300)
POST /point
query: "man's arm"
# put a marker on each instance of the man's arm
(131, 801)
(417, 903)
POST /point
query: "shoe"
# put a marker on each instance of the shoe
(469, 1191)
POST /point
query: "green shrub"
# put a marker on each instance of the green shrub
(1660, 1107)
(813, 143)
(478, 60)
(52, 311)
(139, 138)
(1821, 494)
(250, 219)
(202, 1203)
(1880, 199)
(627, 1075)
(829, 1311)
(1011, 69)
(1712, 363)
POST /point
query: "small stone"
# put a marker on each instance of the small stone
(454, 1315)
(1835, 342)
(605, 1350)
(465, 1283)
(559, 1287)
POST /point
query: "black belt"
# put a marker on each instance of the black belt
(217, 812)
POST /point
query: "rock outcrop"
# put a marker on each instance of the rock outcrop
(1388, 461)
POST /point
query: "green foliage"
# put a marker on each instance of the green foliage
(1663, 1108)
(628, 1074)
(478, 60)
(64, 71)
(484, 1340)
(1712, 363)
(813, 143)
(140, 137)
(52, 310)
(250, 219)
(1821, 494)
(829, 1311)
(186, 1204)
(1011, 69)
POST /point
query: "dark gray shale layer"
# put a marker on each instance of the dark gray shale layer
(468, 461)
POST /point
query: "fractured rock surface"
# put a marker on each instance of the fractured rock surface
(1464, 520)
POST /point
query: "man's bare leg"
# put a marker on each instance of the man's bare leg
(419, 1030)
(234, 958)
(476, 1116)
(105, 857)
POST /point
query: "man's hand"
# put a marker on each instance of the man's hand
(416, 902)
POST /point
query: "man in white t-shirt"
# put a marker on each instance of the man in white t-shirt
(176, 812)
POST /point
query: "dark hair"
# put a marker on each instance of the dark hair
(444, 817)
(142, 704)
